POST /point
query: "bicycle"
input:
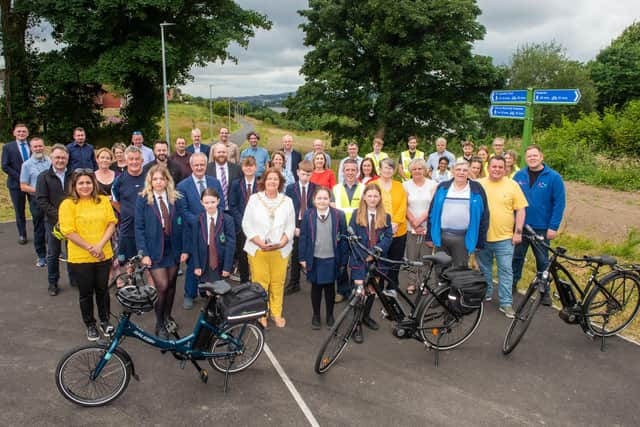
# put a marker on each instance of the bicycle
(427, 319)
(226, 335)
(606, 306)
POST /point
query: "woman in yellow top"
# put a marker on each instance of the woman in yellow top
(511, 166)
(87, 221)
(394, 199)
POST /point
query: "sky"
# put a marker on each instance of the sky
(270, 64)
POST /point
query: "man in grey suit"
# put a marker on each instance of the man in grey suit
(225, 171)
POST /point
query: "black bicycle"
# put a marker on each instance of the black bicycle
(429, 318)
(606, 306)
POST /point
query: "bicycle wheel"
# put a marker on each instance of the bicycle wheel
(245, 337)
(612, 306)
(338, 338)
(442, 329)
(524, 313)
(74, 371)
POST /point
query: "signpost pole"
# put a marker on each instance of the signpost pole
(527, 128)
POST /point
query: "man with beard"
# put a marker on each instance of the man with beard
(223, 170)
(181, 156)
(161, 151)
(233, 152)
(37, 163)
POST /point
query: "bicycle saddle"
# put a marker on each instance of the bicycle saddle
(220, 287)
(439, 258)
(602, 259)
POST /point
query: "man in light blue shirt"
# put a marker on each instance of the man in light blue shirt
(318, 147)
(441, 151)
(352, 151)
(31, 168)
(260, 154)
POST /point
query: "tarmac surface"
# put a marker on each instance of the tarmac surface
(557, 376)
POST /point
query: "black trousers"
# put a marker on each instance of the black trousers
(294, 272)
(243, 262)
(396, 252)
(91, 278)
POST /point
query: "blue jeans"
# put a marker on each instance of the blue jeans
(19, 201)
(541, 254)
(503, 252)
(39, 233)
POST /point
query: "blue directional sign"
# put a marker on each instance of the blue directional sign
(508, 96)
(556, 96)
(507, 111)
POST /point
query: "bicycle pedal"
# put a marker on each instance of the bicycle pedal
(590, 335)
(384, 314)
(171, 326)
(182, 363)
(204, 375)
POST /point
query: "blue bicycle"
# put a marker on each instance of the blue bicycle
(226, 335)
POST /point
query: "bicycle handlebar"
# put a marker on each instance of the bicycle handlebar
(377, 251)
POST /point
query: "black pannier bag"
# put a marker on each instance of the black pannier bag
(247, 301)
(467, 291)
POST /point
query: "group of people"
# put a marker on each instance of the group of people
(262, 215)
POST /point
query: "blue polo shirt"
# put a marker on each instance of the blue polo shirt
(125, 190)
(32, 168)
(260, 154)
(81, 156)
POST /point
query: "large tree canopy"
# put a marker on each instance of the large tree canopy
(117, 42)
(616, 70)
(395, 66)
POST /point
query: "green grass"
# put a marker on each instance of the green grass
(184, 117)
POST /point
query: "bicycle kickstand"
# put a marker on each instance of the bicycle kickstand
(436, 354)
(604, 328)
(226, 376)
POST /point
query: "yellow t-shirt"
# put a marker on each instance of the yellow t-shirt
(395, 204)
(504, 198)
(89, 220)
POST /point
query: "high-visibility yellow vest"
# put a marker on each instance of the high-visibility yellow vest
(405, 160)
(376, 160)
(342, 199)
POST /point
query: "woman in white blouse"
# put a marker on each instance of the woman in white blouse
(269, 223)
(419, 191)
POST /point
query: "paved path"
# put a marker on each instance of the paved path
(555, 377)
(239, 137)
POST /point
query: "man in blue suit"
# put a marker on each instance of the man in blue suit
(14, 154)
(191, 188)
(81, 154)
(197, 146)
(292, 157)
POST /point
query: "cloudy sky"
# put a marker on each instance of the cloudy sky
(271, 63)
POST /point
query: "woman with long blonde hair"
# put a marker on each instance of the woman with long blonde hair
(161, 238)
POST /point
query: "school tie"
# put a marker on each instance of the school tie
(303, 201)
(372, 230)
(213, 252)
(25, 151)
(248, 193)
(323, 217)
(165, 216)
(223, 181)
(201, 186)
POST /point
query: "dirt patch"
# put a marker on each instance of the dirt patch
(600, 213)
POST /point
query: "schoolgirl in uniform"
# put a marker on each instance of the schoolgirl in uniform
(322, 252)
(372, 225)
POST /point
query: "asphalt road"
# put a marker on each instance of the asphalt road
(555, 377)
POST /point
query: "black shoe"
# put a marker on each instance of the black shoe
(180, 272)
(546, 299)
(292, 290)
(315, 323)
(22, 240)
(92, 333)
(53, 290)
(330, 321)
(357, 334)
(370, 323)
(107, 328)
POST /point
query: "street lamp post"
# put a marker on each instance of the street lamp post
(211, 112)
(164, 82)
(229, 114)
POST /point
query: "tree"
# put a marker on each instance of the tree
(15, 17)
(546, 66)
(616, 69)
(391, 67)
(118, 43)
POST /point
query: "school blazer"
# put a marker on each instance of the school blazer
(225, 241)
(308, 231)
(357, 258)
(191, 196)
(293, 192)
(238, 199)
(149, 233)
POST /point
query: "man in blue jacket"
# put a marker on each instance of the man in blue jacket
(544, 189)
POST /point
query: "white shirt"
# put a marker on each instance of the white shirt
(210, 218)
(166, 203)
(418, 198)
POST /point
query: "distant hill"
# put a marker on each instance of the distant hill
(274, 100)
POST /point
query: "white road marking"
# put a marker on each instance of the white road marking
(292, 389)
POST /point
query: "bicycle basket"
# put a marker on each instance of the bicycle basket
(247, 301)
(467, 289)
(137, 298)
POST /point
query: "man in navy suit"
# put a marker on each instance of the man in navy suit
(197, 146)
(301, 193)
(14, 154)
(81, 154)
(191, 188)
(223, 170)
(292, 157)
